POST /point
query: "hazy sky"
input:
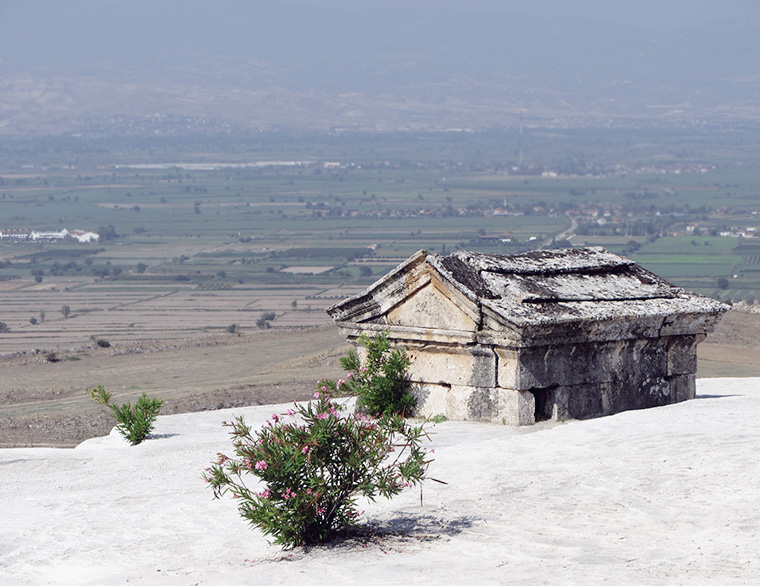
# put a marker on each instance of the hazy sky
(656, 14)
(587, 57)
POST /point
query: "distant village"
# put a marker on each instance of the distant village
(26, 235)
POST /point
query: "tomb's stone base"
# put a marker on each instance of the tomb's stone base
(519, 386)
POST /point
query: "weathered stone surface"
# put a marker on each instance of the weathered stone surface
(584, 401)
(682, 354)
(683, 388)
(432, 400)
(473, 366)
(465, 403)
(423, 309)
(566, 364)
(547, 334)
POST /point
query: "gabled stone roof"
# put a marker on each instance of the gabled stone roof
(539, 289)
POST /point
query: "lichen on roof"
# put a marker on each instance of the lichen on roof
(539, 287)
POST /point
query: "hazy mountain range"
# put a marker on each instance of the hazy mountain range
(111, 66)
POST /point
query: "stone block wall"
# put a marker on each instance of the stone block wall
(518, 386)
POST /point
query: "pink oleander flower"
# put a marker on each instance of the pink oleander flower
(261, 465)
(291, 413)
(323, 415)
(305, 450)
(316, 394)
(248, 463)
(266, 493)
(275, 417)
(288, 494)
(340, 382)
(350, 375)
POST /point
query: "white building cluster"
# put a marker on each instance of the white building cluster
(25, 234)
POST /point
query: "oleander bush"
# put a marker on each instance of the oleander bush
(133, 422)
(299, 477)
(312, 464)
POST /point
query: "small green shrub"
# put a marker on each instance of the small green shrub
(314, 464)
(264, 321)
(134, 423)
(380, 382)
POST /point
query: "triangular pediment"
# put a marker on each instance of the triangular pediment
(415, 294)
(432, 306)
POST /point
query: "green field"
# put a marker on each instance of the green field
(348, 208)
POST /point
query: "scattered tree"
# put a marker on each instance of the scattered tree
(107, 232)
(262, 323)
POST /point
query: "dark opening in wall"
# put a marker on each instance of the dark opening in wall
(544, 401)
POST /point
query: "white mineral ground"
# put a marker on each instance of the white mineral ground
(661, 496)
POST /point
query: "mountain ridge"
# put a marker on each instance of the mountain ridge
(370, 69)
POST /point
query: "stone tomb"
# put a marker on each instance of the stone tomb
(553, 334)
